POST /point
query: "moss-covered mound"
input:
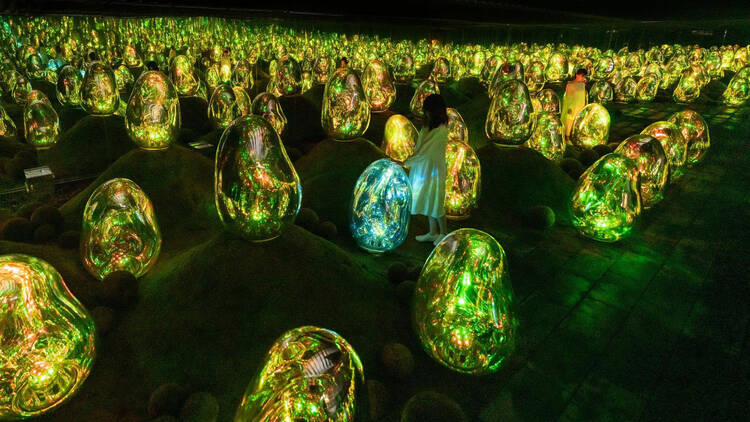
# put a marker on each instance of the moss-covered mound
(303, 118)
(88, 147)
(474, 113)
(194, 114)
(516, 178)
(329, 172)
(207, 318)
(178, 181)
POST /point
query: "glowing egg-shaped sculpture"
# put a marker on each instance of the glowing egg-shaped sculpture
(695, 131)
(557, 68)
(306, 80)
(457, 130)
(119, 231)
(48, 338)
(424, 90)
(287, 76)
(549, 100)
(322, 69)
(226, 104)
(242, 75)
(591, 126)
(346, 111)
(601, 92)
(123, 79)
(674, 145)
(488, 68)
(604, 66)
(509, 117)
(464, 311)
(403, 70)
(381, 207)
(256, 187)
(547, 137)
(41, 124)
(738, 90)
(184, 77)
(212, 77)
(441, 70)
(69, 81)
(625, 90)
(267, 106)
(534, 77)
(21, 90)
(99, 93)
(688, 89)
(399, 138)
(35, 67)
(606, 202)
(310, 374)
(378, 86)
(7, 125)
(653, 166)
(463, 180)
(130, 57)
(646, 88)
(152, 118)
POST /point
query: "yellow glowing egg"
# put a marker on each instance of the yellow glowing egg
(399, 138)
(591, 126)
(425, 89)
(183, 76)
(99, 93)
(267, 106)
(152, 117)
(346, 112)
(378, 86)
(226, 104)
(463, 180)
(457, 130)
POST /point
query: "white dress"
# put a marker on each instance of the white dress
(573, 101)
(427, 172)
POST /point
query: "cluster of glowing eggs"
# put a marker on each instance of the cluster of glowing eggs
(226, 104)
(378, 86)
(399, 138)
(183, 76)
(69, 81)
(99, 93)
(695, 132)
(463, 308)
(424, 90)
(591, 126)
(119, 230)
(152, 118)
(606, 202)
(256, 187)
(547, 136)
(310, 374)
(48, 338)
(509, 119)
(674, 144)
(457, 130)
(381, 207)
(345, 114)
(463, 180)
(652, 163)
(41, 124)
(267, 106)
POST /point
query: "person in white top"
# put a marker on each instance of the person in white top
(427, 169)
(574, 100)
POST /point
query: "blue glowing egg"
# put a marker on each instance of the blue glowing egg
(381, 207)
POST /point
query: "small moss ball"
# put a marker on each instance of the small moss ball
(294, 154)
(44, 233)
(326, 230)
(587, 157)
(104, 318)
(119, 288)
(307, 218)
(602, 150)
(433, 407)
(200, 407)
(27, 209)
(47, 214)
(379, 399)
(69, 239)
(572, 167)
(167, 399)
(397, 360)
(26, 158)
(398, 272)
(540, 217)
(405, 291)
(17, 229)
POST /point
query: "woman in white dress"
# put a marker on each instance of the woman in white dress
(574, 100)
(427, 169)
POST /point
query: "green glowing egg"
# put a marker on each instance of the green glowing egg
(534, 77)
(267, 106)
(549, 101)
(647, 87)
(695, 131)
(226, 104)
(41, 124)
(378, 86)
(625, 90)
(346, 112)
(463, 180)
(601, 92)
(119, 230)
(463, 309)
(457, 130)
(99, 93)
(591, 126)
(424, 90)
(653, 166)
(48, 338)
(509, 117)
(547, 136)
(606, 202)
(674, 144)
(738, 90)
(242, 75)
(69, 81)
(184, 77)
(152, 117)
(310, 374)
(256, 187)
(441, 70)
(403, 70)
(557, 68)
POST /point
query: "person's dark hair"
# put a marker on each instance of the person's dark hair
(506, 69)
(582, 71)
(435, 104)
